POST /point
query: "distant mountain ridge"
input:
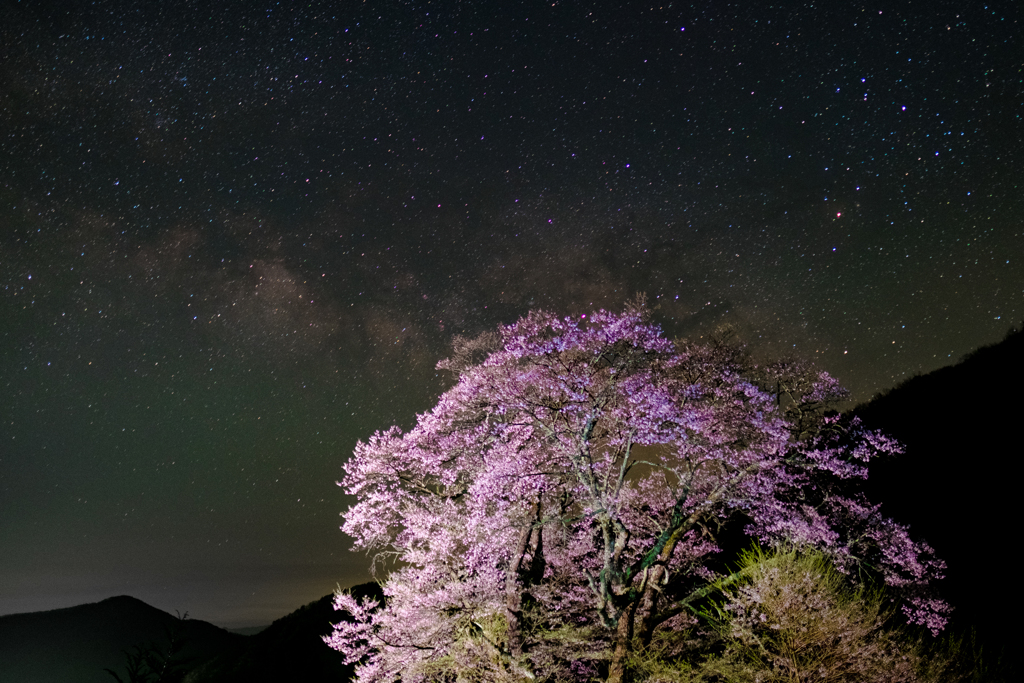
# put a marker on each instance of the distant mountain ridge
(248, 630)
(77, 644)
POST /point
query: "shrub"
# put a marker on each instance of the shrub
(793, 617)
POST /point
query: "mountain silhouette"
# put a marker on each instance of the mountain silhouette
(956, 484)
(76, 644)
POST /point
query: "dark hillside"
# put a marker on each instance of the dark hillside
(959, 478)
(290, 649)
(78, 643)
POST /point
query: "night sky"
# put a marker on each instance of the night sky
(235, 238)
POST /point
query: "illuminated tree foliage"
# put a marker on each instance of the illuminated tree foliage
(564, 500)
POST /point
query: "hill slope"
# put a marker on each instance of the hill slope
(957, 484)
(289, 649)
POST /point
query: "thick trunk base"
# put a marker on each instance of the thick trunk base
(623, 643)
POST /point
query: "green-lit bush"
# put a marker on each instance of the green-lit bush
(792, 617)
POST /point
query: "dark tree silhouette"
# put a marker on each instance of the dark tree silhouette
(152, 663)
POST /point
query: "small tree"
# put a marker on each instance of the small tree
(791, 616)
(565, 497)
(795, 618)
(155, 664)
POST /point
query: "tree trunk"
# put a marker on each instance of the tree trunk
(514, 595)
(516, 580)
(623, 646)
(643, 628)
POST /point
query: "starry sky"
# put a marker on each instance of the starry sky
(236, 237)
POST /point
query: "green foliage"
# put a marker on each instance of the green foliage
(790, 616)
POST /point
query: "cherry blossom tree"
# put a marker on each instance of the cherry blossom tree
(566, 498)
